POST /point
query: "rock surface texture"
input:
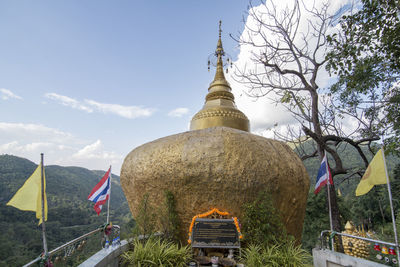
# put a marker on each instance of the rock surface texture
(220, 168)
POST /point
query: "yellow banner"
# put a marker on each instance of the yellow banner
(29, 196)
(375, 174)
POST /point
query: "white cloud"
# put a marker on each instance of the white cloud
(69, 102)
(178, 112)
(38, 146)
(8, 146)
(95, 154)
(6, 94)
(95, 151)
(61, 148)
(89, 151)
(88, 105)
(263, 112)
(36, 132)
(129, 112)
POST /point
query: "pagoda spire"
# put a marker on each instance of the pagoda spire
(219, 108)
(219, 54)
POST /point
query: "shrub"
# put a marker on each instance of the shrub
(169, 220)
(286, 254)
(261, 222)
(145, 219)
(155, 252)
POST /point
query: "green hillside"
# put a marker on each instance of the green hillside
(70, 214)
(372, 209)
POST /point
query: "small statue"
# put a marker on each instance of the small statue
(230, 256)
(214, 261)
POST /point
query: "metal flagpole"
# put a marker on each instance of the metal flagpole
(391, 206)
(330, 212)
(108, 205)
(329, 198)
(43, 215)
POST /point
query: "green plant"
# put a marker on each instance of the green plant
(169, 220)
(261, 222)
(252, 256)
(156, 252)
(285, 254)
(145, 219)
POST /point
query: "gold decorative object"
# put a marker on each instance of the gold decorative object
(353, 246)
(215, 214)
(219, 108)
(218, 164)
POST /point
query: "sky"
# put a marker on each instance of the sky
(85, 82)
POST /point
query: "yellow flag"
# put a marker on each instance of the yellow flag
(29, 196)
(375, 174)
(339, 192)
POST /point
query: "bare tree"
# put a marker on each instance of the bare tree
(289, 48)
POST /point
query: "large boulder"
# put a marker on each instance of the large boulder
(217, 168)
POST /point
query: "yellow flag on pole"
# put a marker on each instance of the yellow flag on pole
(375, 174)
(29, 196)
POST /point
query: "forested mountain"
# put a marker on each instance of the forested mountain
(371, 210)
(70, 214)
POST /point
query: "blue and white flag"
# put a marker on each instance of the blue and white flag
(101, 192)
(324, 175)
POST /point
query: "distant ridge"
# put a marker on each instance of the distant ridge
(69, 209)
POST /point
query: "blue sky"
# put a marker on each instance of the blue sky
(85, 82)
(104, 75)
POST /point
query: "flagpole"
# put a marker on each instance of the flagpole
(391, 206)
(330, 212)
(329, 197)
(109, 196)
(43, 215)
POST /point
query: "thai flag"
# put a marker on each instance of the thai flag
(324, 175)
(101, 192)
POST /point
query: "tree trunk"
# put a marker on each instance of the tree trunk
(320, 146)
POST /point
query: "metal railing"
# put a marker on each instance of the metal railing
(333, 233)
(70, 247)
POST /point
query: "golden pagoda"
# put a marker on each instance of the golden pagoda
(219, 108)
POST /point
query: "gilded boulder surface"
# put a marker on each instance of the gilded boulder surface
(220, 168)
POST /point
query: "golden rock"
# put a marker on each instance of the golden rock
(219, 168)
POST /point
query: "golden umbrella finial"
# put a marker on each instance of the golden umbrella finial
(220, 50)
(219, 108)
(220, 22)
(219, 54)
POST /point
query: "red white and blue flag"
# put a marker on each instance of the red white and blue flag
(101, 192)
(324, 175)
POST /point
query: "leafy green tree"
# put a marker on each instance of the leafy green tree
(288, 64)
(395, 187)
(317, 218)
(366, 58)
